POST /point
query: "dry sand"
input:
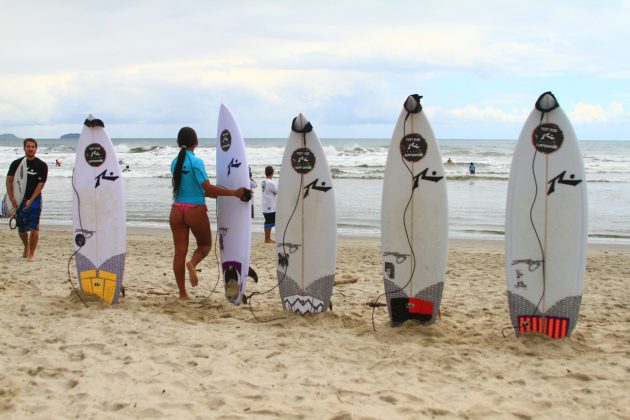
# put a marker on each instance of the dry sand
(153, 357)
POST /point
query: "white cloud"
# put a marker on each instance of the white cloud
(175, 62)
(584, 113)
(487, 114)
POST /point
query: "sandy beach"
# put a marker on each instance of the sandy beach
(154, 357)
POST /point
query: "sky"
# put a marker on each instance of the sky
(147, 68)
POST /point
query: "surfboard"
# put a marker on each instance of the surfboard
(19, 187)
(306, 228)
(546, 224)
(234, 222)
(98, 214)
(414, 219)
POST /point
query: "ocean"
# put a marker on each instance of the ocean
(476, 203)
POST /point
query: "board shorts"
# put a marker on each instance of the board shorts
(28, 219)
(270, 219)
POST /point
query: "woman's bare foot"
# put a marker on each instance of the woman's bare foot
(192, 274)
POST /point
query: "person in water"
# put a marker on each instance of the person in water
(189, 212)
(472, 168)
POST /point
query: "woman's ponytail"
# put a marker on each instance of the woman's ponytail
(177, 172)
(187, 137)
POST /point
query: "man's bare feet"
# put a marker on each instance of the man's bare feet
(192, 274)
(270, 241)
(25, 253)
(184, 298)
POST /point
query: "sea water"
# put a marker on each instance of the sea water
(476, 202)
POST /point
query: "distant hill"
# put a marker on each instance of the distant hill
(8, 136)
(70, 136)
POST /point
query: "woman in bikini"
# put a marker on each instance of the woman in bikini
(189, 212)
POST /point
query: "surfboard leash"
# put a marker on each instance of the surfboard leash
(216, 257)
(308, 128)
(531, 214)
(12, 222)
(409, 242)
(216, 217)
(73, 255)
(543, 111)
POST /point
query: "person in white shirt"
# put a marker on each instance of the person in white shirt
(269, 193)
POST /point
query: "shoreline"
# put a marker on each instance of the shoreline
(453, 242)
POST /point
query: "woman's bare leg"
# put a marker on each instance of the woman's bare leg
(180, 242)
(197, 219)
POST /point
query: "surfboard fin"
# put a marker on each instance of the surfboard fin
(251, 273)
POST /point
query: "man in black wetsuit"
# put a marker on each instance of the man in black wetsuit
(29, 210)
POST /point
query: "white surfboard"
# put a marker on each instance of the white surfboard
(546, 224)
(414, 219)
(98, 213)
(234, 215)
(19, 187)
(306, 227)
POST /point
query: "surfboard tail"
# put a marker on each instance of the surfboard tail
(423, 306)
(312, 299)
(104, 282)
(558, 321)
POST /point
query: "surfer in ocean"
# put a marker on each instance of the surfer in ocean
(29, 210)
(189, 212)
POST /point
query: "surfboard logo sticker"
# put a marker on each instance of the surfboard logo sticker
(313, 185)
(547, 138)
(234, 163)
(519, 271)
(303, 160)
(400, 258)
(223, 231)
(95, 155)
(103, 176)
(561, 180)
(413, 147)
(423, 175)
(225, 140)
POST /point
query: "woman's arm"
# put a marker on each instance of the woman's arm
(213, 191)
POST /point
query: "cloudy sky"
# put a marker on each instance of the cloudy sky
(149, 67)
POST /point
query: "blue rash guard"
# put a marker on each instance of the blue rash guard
(193, 175)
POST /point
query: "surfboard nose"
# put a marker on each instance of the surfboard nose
(547, 102)
(301, 124)
(412, 103)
